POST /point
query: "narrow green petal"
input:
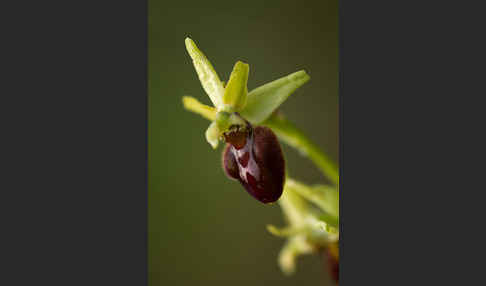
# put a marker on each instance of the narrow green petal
(264, 100)
(236, 90)
(207, 75)
(192, 104)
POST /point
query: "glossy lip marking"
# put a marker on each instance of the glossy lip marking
(249, 170)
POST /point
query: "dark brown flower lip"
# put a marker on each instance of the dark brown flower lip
(258, 163)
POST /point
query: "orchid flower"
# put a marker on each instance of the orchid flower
(254, 106)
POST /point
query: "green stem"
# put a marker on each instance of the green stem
(294, 137)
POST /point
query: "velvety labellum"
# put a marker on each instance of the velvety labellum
(253, 157)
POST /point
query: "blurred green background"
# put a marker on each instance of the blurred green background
(203, 228)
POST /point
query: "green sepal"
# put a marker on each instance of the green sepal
(210, 81)
(264, 100)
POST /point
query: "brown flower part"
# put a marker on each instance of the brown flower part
(331, 253)
(253, 157)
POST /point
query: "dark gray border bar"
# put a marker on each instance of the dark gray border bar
(74, 190)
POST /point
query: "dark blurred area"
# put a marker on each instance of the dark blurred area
(203, 228)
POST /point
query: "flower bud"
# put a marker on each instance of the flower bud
(253, 157)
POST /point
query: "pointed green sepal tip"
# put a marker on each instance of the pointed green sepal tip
(191, 47)
(208, 77)
(264, 100)
(212, 135)
(236, 90)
